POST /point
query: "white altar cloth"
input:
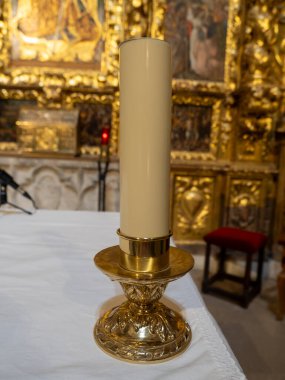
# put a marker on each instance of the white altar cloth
(51, 295)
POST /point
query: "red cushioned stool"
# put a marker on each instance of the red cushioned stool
(236, 239)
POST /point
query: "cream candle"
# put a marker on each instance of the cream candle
(145, 124)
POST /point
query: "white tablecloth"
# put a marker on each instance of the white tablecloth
(51, 295)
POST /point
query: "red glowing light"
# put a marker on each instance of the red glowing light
(105, 136)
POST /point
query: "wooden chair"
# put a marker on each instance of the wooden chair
(249, 243)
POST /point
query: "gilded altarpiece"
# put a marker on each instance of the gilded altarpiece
(228, 94)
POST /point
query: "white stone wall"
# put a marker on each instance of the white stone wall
(61, 184)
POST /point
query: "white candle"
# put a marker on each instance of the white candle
(145, 124)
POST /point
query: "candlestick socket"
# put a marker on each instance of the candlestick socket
(144, 254)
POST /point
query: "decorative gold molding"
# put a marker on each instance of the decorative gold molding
(137, 18)
(4, 46)
(250, 200)
(260, 93)
(19, 93)
(193, 198)
(228, 118)
(245, 203)
(203, 197)
(8, 147)
(157, 21)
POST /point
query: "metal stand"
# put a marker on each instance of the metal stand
(4, 199)
(3, 193)
(103, 165)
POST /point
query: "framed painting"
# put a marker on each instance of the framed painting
(9, 115)
(93, 118)
(56, 31)
(73, 40)
(195, 128)
(204, 36)
(96, 112)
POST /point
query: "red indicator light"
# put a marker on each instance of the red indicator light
(105, 136)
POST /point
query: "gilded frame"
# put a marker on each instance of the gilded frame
(232, 54)
(40, 76)
(76, 98)
(205, 101)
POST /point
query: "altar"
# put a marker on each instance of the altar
(52, 294)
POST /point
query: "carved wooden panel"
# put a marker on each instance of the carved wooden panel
(245, 200)
(193, 198)
(251, 202)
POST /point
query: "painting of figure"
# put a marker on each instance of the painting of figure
(92, 119)
(197, 31)
(191, 128)
(57, 31)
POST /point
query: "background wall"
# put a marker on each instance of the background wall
(228, 105)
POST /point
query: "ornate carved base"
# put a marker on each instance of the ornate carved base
(142, 329)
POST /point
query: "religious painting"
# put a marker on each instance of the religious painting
(66, 32)
(67, 44)
(191, 128)
(92, 119)
(196, 127)
(197, 32)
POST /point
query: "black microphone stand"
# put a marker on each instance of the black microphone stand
(4, 198)
(3, 193)
(103, 165)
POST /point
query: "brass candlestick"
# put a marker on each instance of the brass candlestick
(143, 330)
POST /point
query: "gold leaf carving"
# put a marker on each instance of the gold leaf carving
(193, 201)
(245, 202)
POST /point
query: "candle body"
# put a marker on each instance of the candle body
(145, 125)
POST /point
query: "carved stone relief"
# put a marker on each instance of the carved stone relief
(61, 184)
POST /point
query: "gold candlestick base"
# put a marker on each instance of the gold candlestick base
(143, 330)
